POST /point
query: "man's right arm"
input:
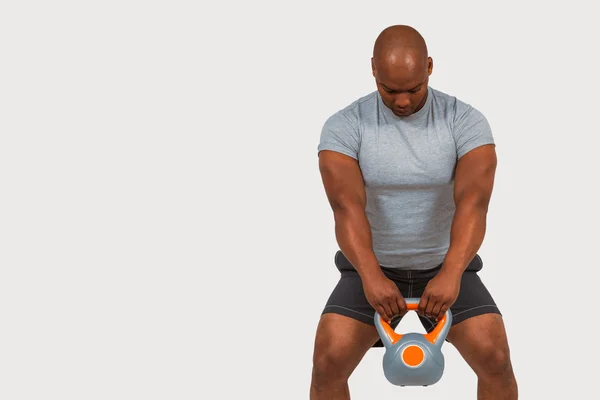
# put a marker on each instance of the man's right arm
(345, 190)
(344, 186)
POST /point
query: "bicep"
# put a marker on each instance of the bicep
(342, 179)
(475, 172)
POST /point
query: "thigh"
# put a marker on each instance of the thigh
(482, 329)
(341, 342)
(482, 342)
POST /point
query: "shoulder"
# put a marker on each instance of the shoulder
(342, 130)
(353, 112)
(456, 110)
(468, 126)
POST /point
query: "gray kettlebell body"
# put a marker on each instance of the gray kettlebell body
(413, 359)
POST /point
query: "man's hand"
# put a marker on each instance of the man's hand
(439, 295)
(384, 296)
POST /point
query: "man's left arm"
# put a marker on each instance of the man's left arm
(473, 184)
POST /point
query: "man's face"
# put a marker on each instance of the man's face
(402, 90)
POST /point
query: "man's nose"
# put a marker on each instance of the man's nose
(402, 101)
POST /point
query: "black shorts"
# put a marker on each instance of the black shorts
(348, 297)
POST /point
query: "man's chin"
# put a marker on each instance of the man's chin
(402, 113)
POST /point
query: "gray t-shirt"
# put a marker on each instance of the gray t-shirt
(408, 165)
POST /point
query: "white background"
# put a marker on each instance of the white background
(164, 233)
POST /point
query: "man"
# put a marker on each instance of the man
(408, 171)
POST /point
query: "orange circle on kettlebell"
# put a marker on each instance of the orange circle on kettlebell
(413, 356)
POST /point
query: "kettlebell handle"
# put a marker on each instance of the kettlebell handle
(437, 336)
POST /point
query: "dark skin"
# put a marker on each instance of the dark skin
(401, 68)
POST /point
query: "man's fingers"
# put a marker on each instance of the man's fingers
(435, 311)
(384, 310)
(442, 312)
(402, 306)
(388, 311)
(422, 304)
(382, 313)
(429, 308)
(426, 304)
(394, 307)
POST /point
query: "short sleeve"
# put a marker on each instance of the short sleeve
(340, 134)
(471, 130)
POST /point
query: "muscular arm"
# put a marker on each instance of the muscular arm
(473, 184)
(345, 191)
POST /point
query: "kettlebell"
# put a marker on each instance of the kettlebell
(413, 359)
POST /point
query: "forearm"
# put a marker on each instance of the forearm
(353, 234)
(466, 234)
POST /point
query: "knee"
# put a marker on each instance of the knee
(328, 369)
(494, 361)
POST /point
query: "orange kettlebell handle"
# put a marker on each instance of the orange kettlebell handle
(431, 336)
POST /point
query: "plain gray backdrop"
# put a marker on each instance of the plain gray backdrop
(164, 232)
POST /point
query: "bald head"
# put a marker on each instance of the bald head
(400, 46)
(401, 67)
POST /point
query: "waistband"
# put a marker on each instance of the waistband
(343, 264)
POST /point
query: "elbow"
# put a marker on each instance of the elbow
(345, 207)
(476, 202)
